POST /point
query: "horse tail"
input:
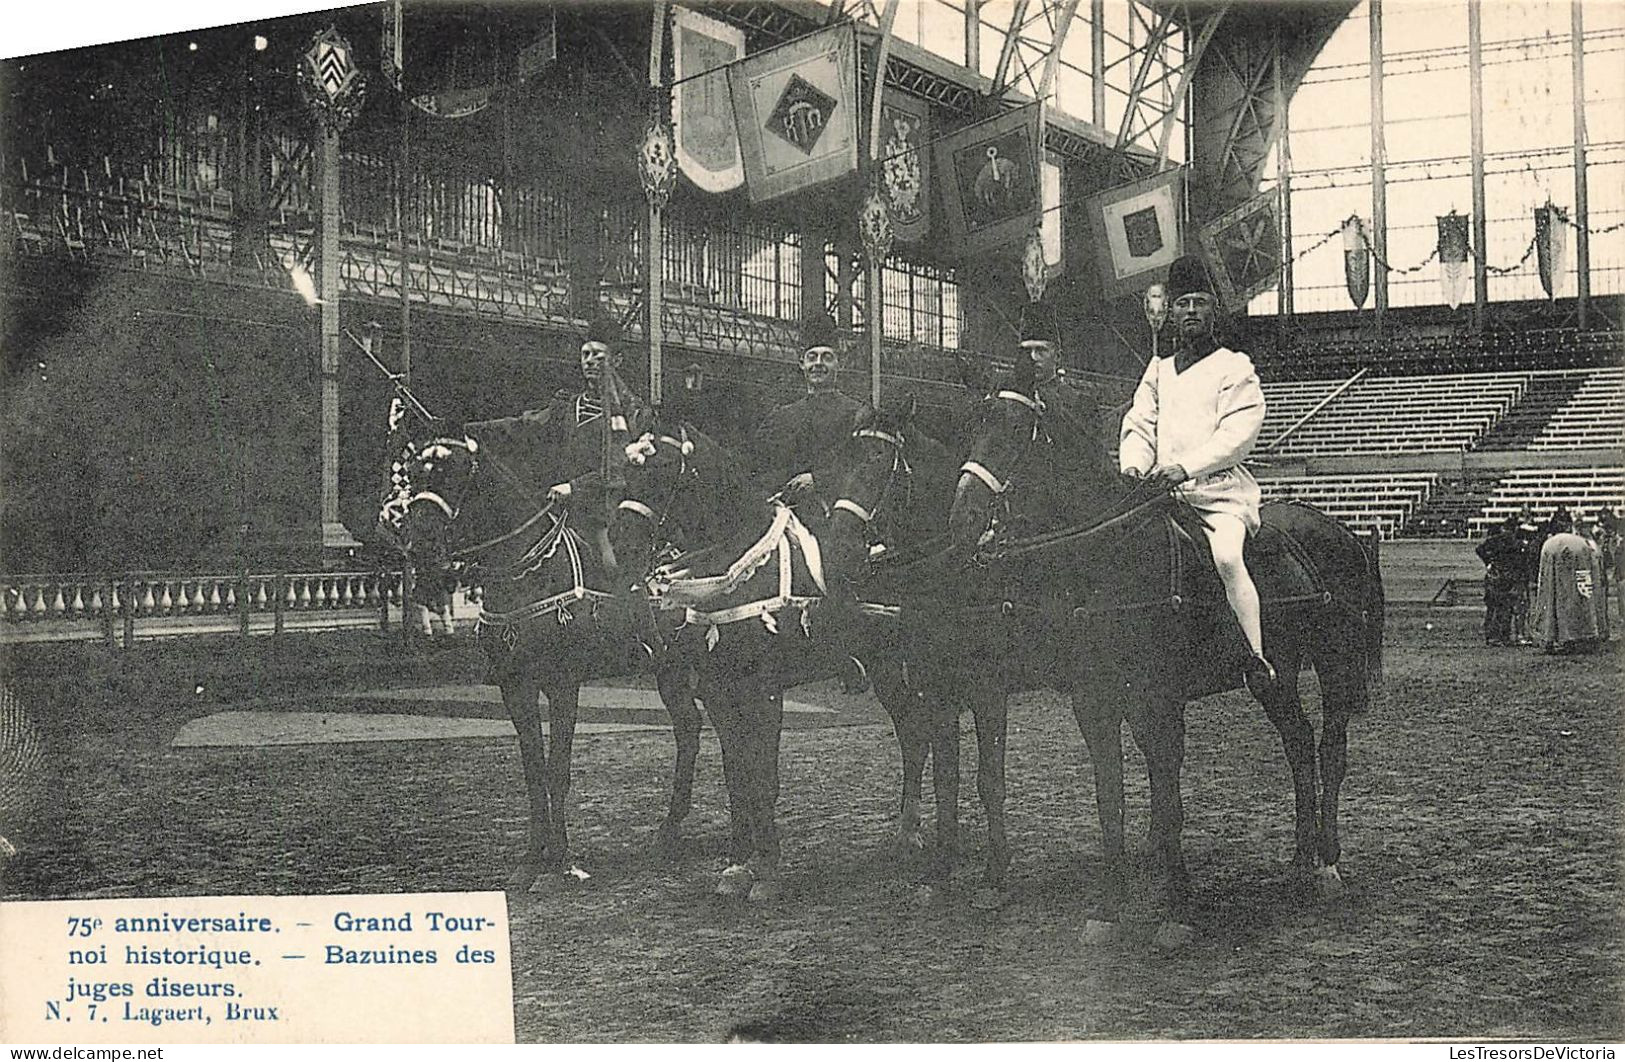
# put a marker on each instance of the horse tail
(1374, 610)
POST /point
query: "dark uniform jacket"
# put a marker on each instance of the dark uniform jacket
(797, 436)
(574, 425)
(1503, 553)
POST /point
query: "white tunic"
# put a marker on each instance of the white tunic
(1205, 419)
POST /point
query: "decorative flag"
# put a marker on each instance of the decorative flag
(390, 53)
(1244, 249)
(1050, 226)
(1551, 243)
(1356, 260)
(795, 107)
(1137, 231)
(905, 165)
(989, 173)
(702, 109)
(1453, 256)
(400, 448)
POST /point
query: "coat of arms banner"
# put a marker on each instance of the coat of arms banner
(796, 110)
(989, 174)
(905, 164)
(1137, 231)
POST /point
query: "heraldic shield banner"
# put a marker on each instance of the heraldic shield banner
(701, 107)
(796, 110)
(905, 164)
(1137, 232)
(1243, 249)
(989, 174)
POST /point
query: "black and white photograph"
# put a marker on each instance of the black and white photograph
(814, 521)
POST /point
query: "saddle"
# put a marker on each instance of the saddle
(1171, 576)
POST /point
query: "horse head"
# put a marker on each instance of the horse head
(442, 475)
(891, 485)
(1020, 446)
(657, 509)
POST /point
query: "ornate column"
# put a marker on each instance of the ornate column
(332, 86)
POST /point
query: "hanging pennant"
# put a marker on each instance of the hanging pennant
(1453, 249)
(1551, 244)
(795, 107)
(1136, 231)
(989, 174)
(1244, 249)
(390, 58)
(905, 165)
(1356, 260)
(702, 109)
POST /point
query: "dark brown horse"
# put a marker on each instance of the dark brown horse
(885, 551)
(554, 614)
(1132, 624)
(743, 608)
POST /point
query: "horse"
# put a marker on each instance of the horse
(741, 608)
(1132, 623)
(555, 611)
(885, 552)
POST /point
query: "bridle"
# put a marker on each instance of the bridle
(867, 515)
(658, 515)
(453, 508)
(1000, 486)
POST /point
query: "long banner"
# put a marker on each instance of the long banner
(702, 112)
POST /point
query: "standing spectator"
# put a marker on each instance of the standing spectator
(1609, 534)
(1564, 610)
(1529, 538)
(1504, 581)
(1587, 529)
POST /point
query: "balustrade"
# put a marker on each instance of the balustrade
(83, 607)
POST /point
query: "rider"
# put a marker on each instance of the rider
(1195, 417)
(577, 414)
(1040, 354)
(798, 435)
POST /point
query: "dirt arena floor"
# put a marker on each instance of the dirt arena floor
(1482, 856)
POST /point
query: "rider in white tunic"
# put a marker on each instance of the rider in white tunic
(1195, 417)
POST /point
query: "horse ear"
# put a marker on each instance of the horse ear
(864, 417)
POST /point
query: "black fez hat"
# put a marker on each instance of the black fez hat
(1188, 274)
(1038, 325)
(602, 329)
(820, 330)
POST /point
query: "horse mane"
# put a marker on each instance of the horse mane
(730, 508)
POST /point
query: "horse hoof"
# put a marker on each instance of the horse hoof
(1172, 936)
(735, 881)
(1328, 882)
(523, 877)
(1098, 933)
(987, 898)
(766, 890)
(908, 845)
(669, 841)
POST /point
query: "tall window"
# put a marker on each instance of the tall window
(1528, 99)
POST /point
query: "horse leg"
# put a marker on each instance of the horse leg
(1343, 693)
(1159, 728)
(522, 700)
(1102, 731)
(992, 728)
(911, 724)
(768, 728)
(722, 703)
(678, 697)
(945, 782)
(1284, 706)
(563, 701)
